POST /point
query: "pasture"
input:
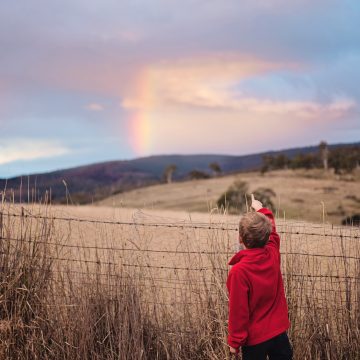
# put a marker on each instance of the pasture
(108, 283)
(306, 195)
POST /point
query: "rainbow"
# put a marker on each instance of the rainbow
(140, 115)
(139, 130)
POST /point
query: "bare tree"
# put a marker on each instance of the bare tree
(324, 153)
(168, 172)
(215, 167)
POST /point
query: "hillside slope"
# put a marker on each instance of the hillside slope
(299, 194)
(97, 181)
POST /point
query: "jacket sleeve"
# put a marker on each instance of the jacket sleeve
(274, 239)
(238, 309)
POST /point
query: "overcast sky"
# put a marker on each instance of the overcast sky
(88, 81)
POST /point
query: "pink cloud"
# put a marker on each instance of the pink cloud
(94, 107)
(206, 83)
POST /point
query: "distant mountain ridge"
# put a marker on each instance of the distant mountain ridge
(96, 181)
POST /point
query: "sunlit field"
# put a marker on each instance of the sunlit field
(310, 195)
(99, 282)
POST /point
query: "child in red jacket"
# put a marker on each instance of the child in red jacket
(258, 314)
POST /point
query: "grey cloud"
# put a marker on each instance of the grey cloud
(312, 30)
(58, 56)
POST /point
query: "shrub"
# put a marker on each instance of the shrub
(237, 197)
(353, 220)
(234, 198)
(198, 175)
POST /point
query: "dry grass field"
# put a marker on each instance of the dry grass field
(114, 283)
(299, 194)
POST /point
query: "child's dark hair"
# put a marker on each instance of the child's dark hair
(254, 230)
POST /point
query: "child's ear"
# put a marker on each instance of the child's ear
(240, 239)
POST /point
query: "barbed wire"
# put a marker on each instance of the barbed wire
(150, 286)
(196, 269)
(142, 277)
(205, 301)
(207, 283)
(187, 252)
(346, 279)
(158, 225)
(113, 287)
(191, 281)
(320, 305)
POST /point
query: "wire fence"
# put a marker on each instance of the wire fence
(192, 226)
(157, 272)
(74, 277)
(201, 252)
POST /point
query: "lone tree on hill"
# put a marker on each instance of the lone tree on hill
(215, 167)
(169, 172)
(324, 154)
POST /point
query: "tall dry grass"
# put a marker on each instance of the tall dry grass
(64, 294)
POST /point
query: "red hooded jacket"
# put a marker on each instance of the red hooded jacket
(257, 304)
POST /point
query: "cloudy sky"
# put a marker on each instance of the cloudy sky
(83, 81)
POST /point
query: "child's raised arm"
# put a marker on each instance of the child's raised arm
(274, 239)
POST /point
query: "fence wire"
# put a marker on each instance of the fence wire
(345, 279)
(192, 226)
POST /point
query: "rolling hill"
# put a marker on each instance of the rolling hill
(89, 183)
(300, 194)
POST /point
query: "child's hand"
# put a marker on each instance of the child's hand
(234, 351)
(255, 204)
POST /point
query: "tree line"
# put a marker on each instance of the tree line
(195, 174)
(341, 159)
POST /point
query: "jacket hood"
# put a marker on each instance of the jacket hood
(246, 253)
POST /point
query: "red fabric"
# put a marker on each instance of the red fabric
(257, 304)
